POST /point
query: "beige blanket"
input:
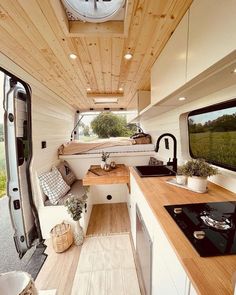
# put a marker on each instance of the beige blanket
(76, 147)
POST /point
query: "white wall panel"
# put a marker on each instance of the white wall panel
(52, 121)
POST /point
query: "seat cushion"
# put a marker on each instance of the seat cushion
(77, 189)
(53, 185)
(66, 172)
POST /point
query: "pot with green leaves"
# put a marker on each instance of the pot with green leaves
(104, 157)
(197, 172)
(75, 207)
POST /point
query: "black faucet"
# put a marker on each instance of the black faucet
(174, 161)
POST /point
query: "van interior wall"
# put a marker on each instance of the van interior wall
(174, 122)
(52, 121)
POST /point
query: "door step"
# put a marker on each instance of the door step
(36, 261)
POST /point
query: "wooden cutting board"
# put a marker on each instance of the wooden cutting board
(99, 171)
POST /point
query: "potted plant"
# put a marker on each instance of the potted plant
(180, 177)
(75, 207)
(197, 172)
(105, 156)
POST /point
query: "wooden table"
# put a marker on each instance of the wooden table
(96, 175)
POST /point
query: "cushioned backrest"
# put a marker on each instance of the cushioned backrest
(66, 172)
(53, 185)
(77, 189)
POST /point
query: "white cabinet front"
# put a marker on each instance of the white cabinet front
(162, 282)
(169, 70)
(212, 33)
(168, 275)
(175, 275)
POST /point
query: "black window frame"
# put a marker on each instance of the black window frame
(211, 108)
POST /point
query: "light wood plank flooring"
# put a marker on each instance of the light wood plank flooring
(59, 269)
(109, 218)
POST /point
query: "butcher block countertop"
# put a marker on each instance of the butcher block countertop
(211, 275)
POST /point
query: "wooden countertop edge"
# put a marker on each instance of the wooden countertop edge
(222, 277)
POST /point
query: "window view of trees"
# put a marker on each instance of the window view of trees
(2, 146)
(105, 125)
(2, 163)
(213, 137)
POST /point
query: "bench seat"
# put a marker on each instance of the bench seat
(77, 189)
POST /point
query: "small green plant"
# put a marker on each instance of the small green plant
(75, 206)
(3, 181)
(105, 156)
(198, 167)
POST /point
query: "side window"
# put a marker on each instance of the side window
(212, 134)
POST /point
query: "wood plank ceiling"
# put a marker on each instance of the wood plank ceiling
(32, 37)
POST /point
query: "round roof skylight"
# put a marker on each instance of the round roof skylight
(95, 11)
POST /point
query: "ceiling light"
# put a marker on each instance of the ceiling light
(182, 98)
(234, 71)
(73, 56)
(105, 100)
(88, 89)
(120, 89)
(128, 56)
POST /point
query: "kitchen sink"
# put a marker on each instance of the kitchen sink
(154, 171)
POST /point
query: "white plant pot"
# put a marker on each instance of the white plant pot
(103, 163)
(197, 184)
(181, 179)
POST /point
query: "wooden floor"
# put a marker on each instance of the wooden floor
(109, 218)
(59, 269)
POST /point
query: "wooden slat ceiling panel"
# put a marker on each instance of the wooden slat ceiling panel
(32, 35)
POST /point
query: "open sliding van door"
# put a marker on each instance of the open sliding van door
(17, 127)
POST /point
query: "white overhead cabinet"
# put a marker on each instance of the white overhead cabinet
(169, 71)
(205, 35)
(144, 99)
(212, 34)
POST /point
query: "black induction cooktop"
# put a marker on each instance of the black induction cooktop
(210, 227)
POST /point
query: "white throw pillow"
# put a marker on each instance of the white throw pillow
(53, 185)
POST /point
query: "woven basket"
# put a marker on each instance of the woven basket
(143, 140)
(62, 237)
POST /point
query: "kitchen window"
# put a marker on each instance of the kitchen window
(212, 134)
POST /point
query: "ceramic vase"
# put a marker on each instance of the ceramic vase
(197, 184)
(78, 234)
(103, 163)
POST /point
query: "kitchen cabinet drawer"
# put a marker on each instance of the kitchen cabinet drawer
(212, 34)
(162, 282)
(168, 275)
(144, 208)
(132, 215)
(174, 267)
(169, 70)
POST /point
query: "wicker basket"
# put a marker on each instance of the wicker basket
(62, 237)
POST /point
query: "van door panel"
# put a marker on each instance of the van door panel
(17, 148)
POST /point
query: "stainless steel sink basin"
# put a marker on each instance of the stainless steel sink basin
(153, 171)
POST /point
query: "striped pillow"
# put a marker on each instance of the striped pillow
(53, 185)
